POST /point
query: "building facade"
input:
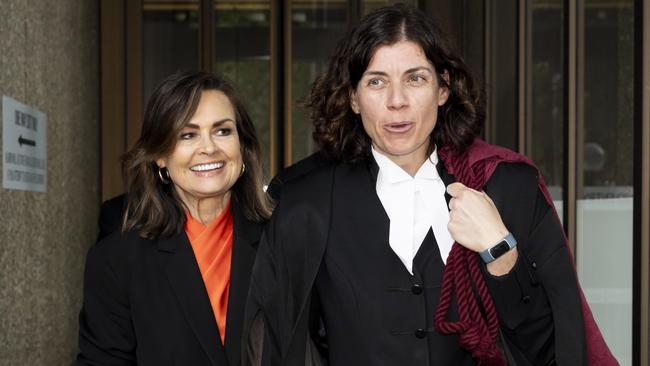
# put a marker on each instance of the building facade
(566, 83)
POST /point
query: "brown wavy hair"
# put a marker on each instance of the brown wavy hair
(154, 209)
(337, 129)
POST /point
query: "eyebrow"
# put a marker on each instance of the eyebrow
(409, 71)
(215, 124)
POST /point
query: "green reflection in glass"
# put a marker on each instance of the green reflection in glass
(252, 79)
(242, 54)
(608, 99)
(301, 128)
(547, 101)
(369, 5)
(170, 42)
(316, 27)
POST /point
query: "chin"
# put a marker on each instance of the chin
(208, 192)
(400, 151)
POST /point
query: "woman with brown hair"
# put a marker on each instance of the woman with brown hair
(420, 244)
(170, 288)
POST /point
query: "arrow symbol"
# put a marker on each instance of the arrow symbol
(22, 141)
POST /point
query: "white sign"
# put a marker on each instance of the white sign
(24, 147)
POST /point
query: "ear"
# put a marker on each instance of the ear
(443, 91)
(161, 162)
(354, 102)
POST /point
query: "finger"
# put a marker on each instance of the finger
(487, 198)
(455, 188)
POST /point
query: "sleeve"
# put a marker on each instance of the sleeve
(106, 334)
(538, 301)
(259, 344)
(276, 330)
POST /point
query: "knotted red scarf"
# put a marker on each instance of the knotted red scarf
(478, 333)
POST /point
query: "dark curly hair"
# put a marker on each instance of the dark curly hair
(154, 209)
(336, 127)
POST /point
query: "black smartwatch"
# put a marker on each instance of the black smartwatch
(499, 249)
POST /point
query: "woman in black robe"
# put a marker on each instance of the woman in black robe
(420, 244)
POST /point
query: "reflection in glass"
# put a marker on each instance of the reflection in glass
(170, 40)
(369, 5)
(242, 54)
(501, 85)
(605, 155)
(546, 146)
(316, 26)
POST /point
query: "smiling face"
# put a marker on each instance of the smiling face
(398, 98)
(206, 161)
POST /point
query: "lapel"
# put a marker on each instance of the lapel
(246, 238)
(185, 279)
(304, 237)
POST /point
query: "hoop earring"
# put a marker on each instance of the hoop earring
(164, 176)
(243, 169)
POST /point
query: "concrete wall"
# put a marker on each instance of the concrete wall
(49, 60)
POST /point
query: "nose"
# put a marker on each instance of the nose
(208, 145)
(397, 98)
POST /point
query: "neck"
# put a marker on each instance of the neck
(411, 166)
(206, 209)
(410, 162)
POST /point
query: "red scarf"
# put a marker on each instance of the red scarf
(473, 168)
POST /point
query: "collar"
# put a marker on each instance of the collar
(413, 205)
(391, 173)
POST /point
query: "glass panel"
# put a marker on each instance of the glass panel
(471, 37)
(369, 5)
(316, 27)
(605, 184)
(242, 54)
(502, 86)
(545, 144)
(170, 40)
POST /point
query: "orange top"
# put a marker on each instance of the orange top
(212, 246)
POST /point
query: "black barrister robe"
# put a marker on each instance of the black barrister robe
(294, 260)
(145, 302)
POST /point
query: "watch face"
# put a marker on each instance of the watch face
(499, 249)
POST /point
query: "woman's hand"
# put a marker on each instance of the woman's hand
(475, 223)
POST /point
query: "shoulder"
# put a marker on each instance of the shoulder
(305, 202)
(510, 175)
(513, 182)
(305, 167)
(120, 242)
(115, 204)
(244, 228)
(312, 183)
(116, 253)
(515, 190)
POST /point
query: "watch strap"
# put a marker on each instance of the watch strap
(502, 247)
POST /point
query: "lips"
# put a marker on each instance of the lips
(207, 166)
(399, 127)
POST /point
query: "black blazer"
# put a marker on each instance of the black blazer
(145, 302)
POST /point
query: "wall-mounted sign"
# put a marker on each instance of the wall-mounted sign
(24, 147)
